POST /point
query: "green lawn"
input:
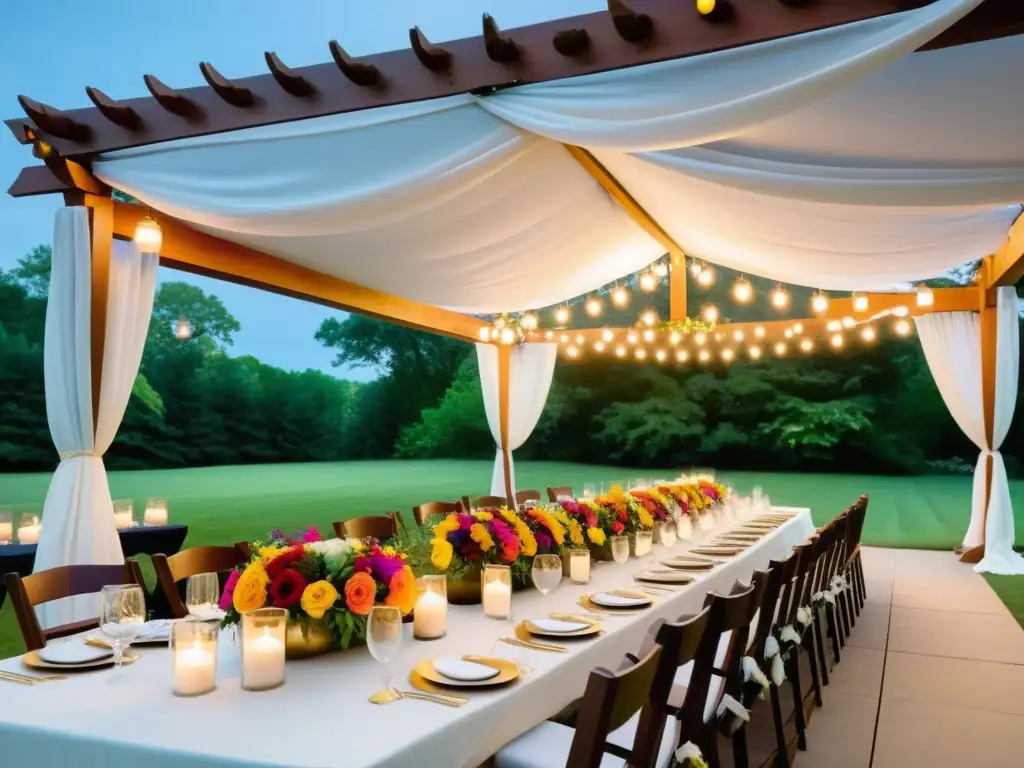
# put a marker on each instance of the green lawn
(226, 504)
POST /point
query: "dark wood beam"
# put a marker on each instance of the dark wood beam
(676, 30)
(990, 20)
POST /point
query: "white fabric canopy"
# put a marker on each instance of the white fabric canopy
(531, 368)
(952, 346)
(78, 516)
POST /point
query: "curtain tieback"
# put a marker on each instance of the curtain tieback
(65, 455)
(989, 451)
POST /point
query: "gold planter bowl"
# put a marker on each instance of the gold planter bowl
(314, 641)
(465, 591)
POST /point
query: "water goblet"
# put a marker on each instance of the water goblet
(547, 573)
(620, 549)
(202, 593)
(384, 638)
(122, 616)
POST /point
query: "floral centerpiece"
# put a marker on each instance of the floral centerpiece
(623, 513)
(581, 517)
(693, 498)
(653, 502)
(327, 586)
(550, 533)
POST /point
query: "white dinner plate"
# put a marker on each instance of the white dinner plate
(461, 671)
(73, 651)
(664, 576)
(608, 600)
(559, 627)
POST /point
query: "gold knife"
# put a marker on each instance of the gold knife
(534, 646)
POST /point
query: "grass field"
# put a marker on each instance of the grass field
(222, 505)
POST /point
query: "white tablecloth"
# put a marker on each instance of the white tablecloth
(321, 716)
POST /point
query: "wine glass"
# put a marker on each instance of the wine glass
(202, 592)
(547, 572)
(122, 615)
(620, 549)
(384, 638)
(589, 490)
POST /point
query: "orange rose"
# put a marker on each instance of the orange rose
(402, 591)
(360, 593)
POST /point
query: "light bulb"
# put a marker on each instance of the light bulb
(648, 335)
(780, 299)
(705, 277)
(695, 268)
(640, 353)
(660, 355)
(836, 341)
(849, 322)
(674, 338)
(485, 333)
(868, 333)
(594, 306)
(902, 327)
(571, 351)
(700, 338)
(737, 335)
(754, 352)
(499, 322)
(834, 325)
(819, 302)
(860, 302)
(682, 355)
(579, 338)
(704, 7)
(182, 328)
(901, 311)
(620, 351)
(562, 315)
(507, 335)
(564, 338)
(710, 313)
(661, 269)
(788, 333)
(703, 355)
(742, 291)
(647, 282)
(549, 335)
(599, 346)
(620, 296)
(529, 321)
(607, 335)
(759, 332)
(650, 317)
(631, 337)
(806, 345)
(728, 355)
(780, 348)
(148, 236)
(798, 328)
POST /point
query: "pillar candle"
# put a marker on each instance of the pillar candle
(6, 531)
(155, 516)
(429, 616)
(29, 534)
(194, 670)
(262, 662)
(579, 566)
(497, 600)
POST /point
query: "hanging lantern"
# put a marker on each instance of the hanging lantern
(661, 269)
(182, 328)
(710, 313)
(631, 337)
(529, 321)
(705, 277)
(780, 349)
(647, 282)
(641, 353)
(737, 335)
(549, 335)
(620, 351)
(648, 335)
(759, 332)
(650, 317)
(562, 315)
(674, 338)
(620, 297)
(780, 299)
(819, 302)
(834, 325)
(925, 297)
(508, 335)
(902, 327)
(807, 345)
(798, 328)
(148, 236)
(594, 306)
(849, 322)
(700, 338)
(868, 333)
(571, 351)
(682, 355)
(485, 333)
(901, 311)
(836, 341)
(860, 302)
(788, 333)
(728, 355)
(660, 355)
(754, 352)
(607, 335)
(599, 346)
(695, 268)
(742, 291)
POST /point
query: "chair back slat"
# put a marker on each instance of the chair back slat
(559, 490)
(774, 599)
(484, 502)
(423, 512)
(378, 527)
(190, 562)
(523, 497)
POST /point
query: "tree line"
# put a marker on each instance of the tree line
(870, 408)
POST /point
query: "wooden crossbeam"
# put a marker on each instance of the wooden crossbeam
(1006, 266)
(186, 249)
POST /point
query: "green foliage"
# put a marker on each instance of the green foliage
(813, 428)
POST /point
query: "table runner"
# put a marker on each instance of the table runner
(321, 716)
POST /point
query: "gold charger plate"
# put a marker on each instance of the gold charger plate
(585, 602)
(683, 563)
(663, 576)
(527, 629)
(33, 660)
(733, 543)
(718, 551)
(507, 672)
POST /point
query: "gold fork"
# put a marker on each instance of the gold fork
(17, 677)
(437, 698)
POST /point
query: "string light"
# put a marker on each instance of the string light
(901, 311)
(564, 338)
(807, 345)
(754, 352)
(529, 321)
(620, 351)
(631, 337)
(798, 328)
(703, 355)
(647, 282)
(849, 322)
(700, 338)
(737, 335)
(499, 322)
(507, 335)
(485, 333)
(834, 325)
(706, 277)
(148, 237)
(780, 299)
(661, 269)
(682, 355)
(728, 355)
(182, 328)
(819, 302)
(742, 291)
(759, 332)
(607, 335)
(648, 335)
(902, 327)
(599, 346)
(660, 355)
(650, 317)
(710, 313)
(579, 338)
(788, 333)
(719, 336)
(780, 348)
(562, 315)
(594, 306)
(674, 338)
(868, 333)
(641, 353)
(549, 335)
(860, 302)
(571, 351)
(620, 297)
(695, 268)
(836, 341)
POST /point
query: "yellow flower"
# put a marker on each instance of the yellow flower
(528, 544)
(446, 526)
(317, 598)
(402, 591)
(479, 534)
(389, 551)
(483, 516)
(269, 553)
(251, 589)
(576, 533)
(596, 536)
(646, 521)
(441, 554)
(549, 522)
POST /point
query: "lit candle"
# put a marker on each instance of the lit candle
(429, 616)
(579, 566)
(6, 531)
(29, 534)
(643, 542)
(194, 670)
(262, 662)
(123, 520)
(497, 591)
(155, 514)
(684, 527)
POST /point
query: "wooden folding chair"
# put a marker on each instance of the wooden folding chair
(423, 512)
(561, 490)
(191, 562)
(484, 502)
(380, 527)
(524, 497)
(64, 581)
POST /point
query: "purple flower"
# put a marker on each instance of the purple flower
(466, 522)
(385, 566)
(312, 535)
(544, 542)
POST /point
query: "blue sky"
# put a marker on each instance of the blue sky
(52, 55)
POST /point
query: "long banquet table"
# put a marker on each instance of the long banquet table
(321, 716)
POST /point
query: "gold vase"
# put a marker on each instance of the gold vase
(313, 640)
(466, 590)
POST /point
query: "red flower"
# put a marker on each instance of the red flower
(618, 528)
(285, 560)
(286, 589)
(623, 516)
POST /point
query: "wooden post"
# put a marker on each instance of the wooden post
(989, 335)
(677, 289)
(504, 378)
(101, 230)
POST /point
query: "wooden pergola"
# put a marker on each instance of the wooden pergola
(630, 33)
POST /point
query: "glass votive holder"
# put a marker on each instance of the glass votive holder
(430, 615)
(684, 527)
(706, 522)
(157, 512)
(620, 549)
(496, 591)
(6, 525)
(263, 646)
(123, 513)
(666, 532)
(29, 529)
(579, 566)
(193, 657)
(643, 541)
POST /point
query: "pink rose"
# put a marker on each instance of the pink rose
(229, 590)
(311, 535)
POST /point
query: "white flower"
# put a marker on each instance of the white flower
(690, 751)
(752, 672)
(789, 635)
(803, 615)
(330, 547)
(838, 583)
(778, 670)
(771, 647)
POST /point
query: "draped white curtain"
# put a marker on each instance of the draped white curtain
(952, 346)
(531, 368)
(78, 517)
